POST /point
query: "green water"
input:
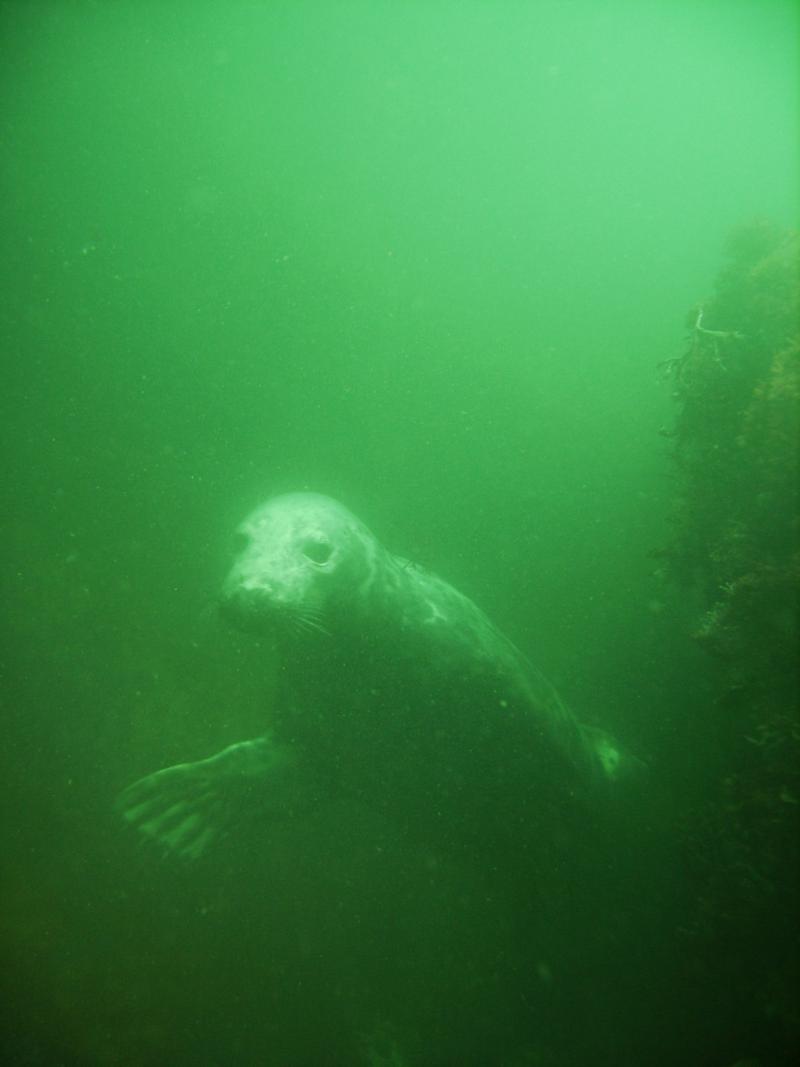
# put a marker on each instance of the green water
(425, 257)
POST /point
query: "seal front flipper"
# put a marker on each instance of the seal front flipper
(185, 807)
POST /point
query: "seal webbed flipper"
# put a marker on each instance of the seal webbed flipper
(184, 808)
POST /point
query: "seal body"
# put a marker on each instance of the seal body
(395, 690)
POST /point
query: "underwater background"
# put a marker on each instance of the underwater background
(515, 281)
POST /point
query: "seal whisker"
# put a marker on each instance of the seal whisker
(298, 625)
(309, 622)
(312, 606)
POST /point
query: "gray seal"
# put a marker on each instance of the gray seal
(395, 691)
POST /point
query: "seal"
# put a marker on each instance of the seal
(395, 690)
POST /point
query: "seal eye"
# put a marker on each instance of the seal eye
(317, 550)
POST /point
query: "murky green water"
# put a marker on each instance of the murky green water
(426, 258)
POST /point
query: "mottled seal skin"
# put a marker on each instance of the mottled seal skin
(395, 690)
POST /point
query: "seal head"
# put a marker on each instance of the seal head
(305, 558)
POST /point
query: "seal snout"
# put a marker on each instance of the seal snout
(246, 609)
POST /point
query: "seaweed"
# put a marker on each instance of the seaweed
(735, 541)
